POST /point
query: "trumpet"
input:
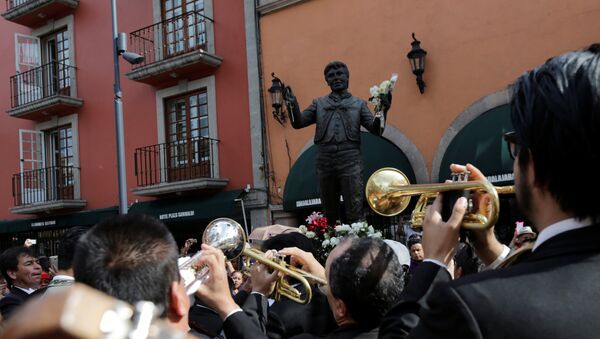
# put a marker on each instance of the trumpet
(388, 192)
(283, 287)
(229, 236)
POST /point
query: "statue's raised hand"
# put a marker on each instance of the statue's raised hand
(386, 102)
(291, 103)
(288, 95)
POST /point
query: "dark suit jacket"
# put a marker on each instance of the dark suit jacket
(552, 294)
(204, 320)
(288, 318)
(251, 322)
(14, 300)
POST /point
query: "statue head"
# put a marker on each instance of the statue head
(337, 76)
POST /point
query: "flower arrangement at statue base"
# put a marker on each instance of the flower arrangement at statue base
(326, 237)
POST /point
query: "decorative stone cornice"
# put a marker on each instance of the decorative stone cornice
(268, 6)
(181, 186)
(47, 206)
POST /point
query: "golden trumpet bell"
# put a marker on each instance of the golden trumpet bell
(380, 190)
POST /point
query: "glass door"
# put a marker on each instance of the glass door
(184, 27)
(188, 145)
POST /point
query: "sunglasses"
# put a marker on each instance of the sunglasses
(513, 147)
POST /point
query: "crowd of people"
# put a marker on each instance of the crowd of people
(449, 288)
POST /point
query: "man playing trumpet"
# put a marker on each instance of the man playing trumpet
(552, 293)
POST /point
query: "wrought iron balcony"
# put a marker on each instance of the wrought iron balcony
(44, 189)
(43, 91)
(177, 166)
(173, 49)
(33, 13)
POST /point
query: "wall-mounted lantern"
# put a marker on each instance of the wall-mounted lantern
(417, 62)
(276, 91)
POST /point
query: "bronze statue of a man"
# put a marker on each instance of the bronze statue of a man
(338, 116)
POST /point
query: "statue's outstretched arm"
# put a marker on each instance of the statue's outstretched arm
(297, 118)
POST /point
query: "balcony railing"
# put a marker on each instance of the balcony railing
(45, 185)
(42, 82)
(175, 161)
(12, 4)
(169, 38)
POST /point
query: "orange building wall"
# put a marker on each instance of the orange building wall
(474, 48)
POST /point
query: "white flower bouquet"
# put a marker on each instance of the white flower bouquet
(381, 97)
(381, 92)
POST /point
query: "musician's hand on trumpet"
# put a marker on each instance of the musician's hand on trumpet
(441, 237)
(484, 241)
(214, 292)
(305, 261)
(263, 280)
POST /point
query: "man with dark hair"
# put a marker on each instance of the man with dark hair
(292, 239)
(339, 117)
(417, 255)
(134, 258)
(22, 272)
(552, 293)
(465, 261)
(66, 252)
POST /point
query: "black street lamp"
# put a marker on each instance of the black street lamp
(276, 91)
(417, 62)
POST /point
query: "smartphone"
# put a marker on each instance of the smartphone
(54, 262)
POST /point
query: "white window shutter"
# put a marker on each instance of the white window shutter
(27, 52)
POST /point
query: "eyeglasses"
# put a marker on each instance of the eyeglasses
(322, 288)
(513, 147)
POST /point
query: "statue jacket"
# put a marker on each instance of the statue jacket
(352, 112)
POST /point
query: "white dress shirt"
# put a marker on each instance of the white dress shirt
(26, 290)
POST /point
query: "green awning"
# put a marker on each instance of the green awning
(302, 187)
(85, 218)
(480, 143)
(221, 204)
